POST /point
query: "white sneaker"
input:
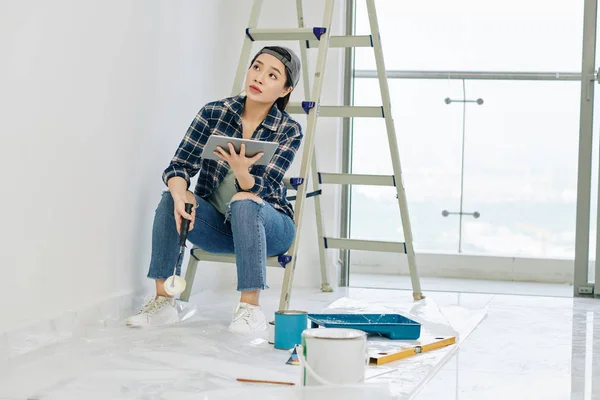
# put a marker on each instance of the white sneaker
(248, 318)
(158, 311)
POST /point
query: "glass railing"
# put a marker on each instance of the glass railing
(489, 162)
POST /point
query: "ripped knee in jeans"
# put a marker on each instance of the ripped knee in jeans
(246, 196)
(242, 196)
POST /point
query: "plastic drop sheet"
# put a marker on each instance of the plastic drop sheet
(200, 359)
(412, 373)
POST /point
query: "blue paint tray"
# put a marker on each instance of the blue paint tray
(393, 326)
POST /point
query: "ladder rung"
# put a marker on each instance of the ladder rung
(285, 34)
(357, 179)
(340, 111)
(345, 41)
(228, 258)
(365, 245)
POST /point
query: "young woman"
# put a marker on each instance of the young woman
(240, 208)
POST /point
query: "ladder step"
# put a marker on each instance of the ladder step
(285, 34)
(345, 41)
(228, 258)
(365, 245)
(357, 179)
(339, 111)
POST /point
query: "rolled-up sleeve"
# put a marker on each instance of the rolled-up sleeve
(272, 179)
(187, 161)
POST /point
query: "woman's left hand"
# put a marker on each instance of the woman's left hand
(238, 162)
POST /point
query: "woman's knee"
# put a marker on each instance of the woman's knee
(190, 198)
(166, 204)
(245, 206)
(246, 196)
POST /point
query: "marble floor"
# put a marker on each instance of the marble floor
(536, 342)
(509, 347)
(527, 348)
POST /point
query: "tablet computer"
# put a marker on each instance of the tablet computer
(253, 147)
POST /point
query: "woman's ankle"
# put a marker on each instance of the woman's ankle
(160, 288)
(250, 297)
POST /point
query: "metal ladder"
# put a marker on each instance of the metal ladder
(320, 38)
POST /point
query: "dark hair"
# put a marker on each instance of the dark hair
(281, 102)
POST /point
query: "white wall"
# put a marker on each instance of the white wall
(95, 98)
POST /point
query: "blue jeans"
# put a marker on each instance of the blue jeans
(252, 232)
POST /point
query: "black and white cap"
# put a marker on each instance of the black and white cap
(288, 58)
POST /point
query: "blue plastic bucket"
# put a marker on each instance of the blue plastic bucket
(289, 326)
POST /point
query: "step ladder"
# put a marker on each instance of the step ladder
(320, 38)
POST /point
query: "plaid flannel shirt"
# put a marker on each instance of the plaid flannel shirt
(224, 117)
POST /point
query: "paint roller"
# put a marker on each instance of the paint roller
(175, 284)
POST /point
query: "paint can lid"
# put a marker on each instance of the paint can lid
(291, 312)
(334, 333)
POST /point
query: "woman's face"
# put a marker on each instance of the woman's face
(265, 80)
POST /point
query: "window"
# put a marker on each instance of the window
(520, 145)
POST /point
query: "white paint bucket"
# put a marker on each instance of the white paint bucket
(332, 356)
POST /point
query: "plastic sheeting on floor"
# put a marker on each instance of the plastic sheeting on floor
(200, 359)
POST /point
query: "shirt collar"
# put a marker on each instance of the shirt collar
(271, 121)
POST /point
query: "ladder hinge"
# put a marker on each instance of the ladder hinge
(248, 34)
(296, 182)
(319, 31)
(307, 105)
(284, 260)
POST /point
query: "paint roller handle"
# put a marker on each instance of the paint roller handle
(185, 225)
